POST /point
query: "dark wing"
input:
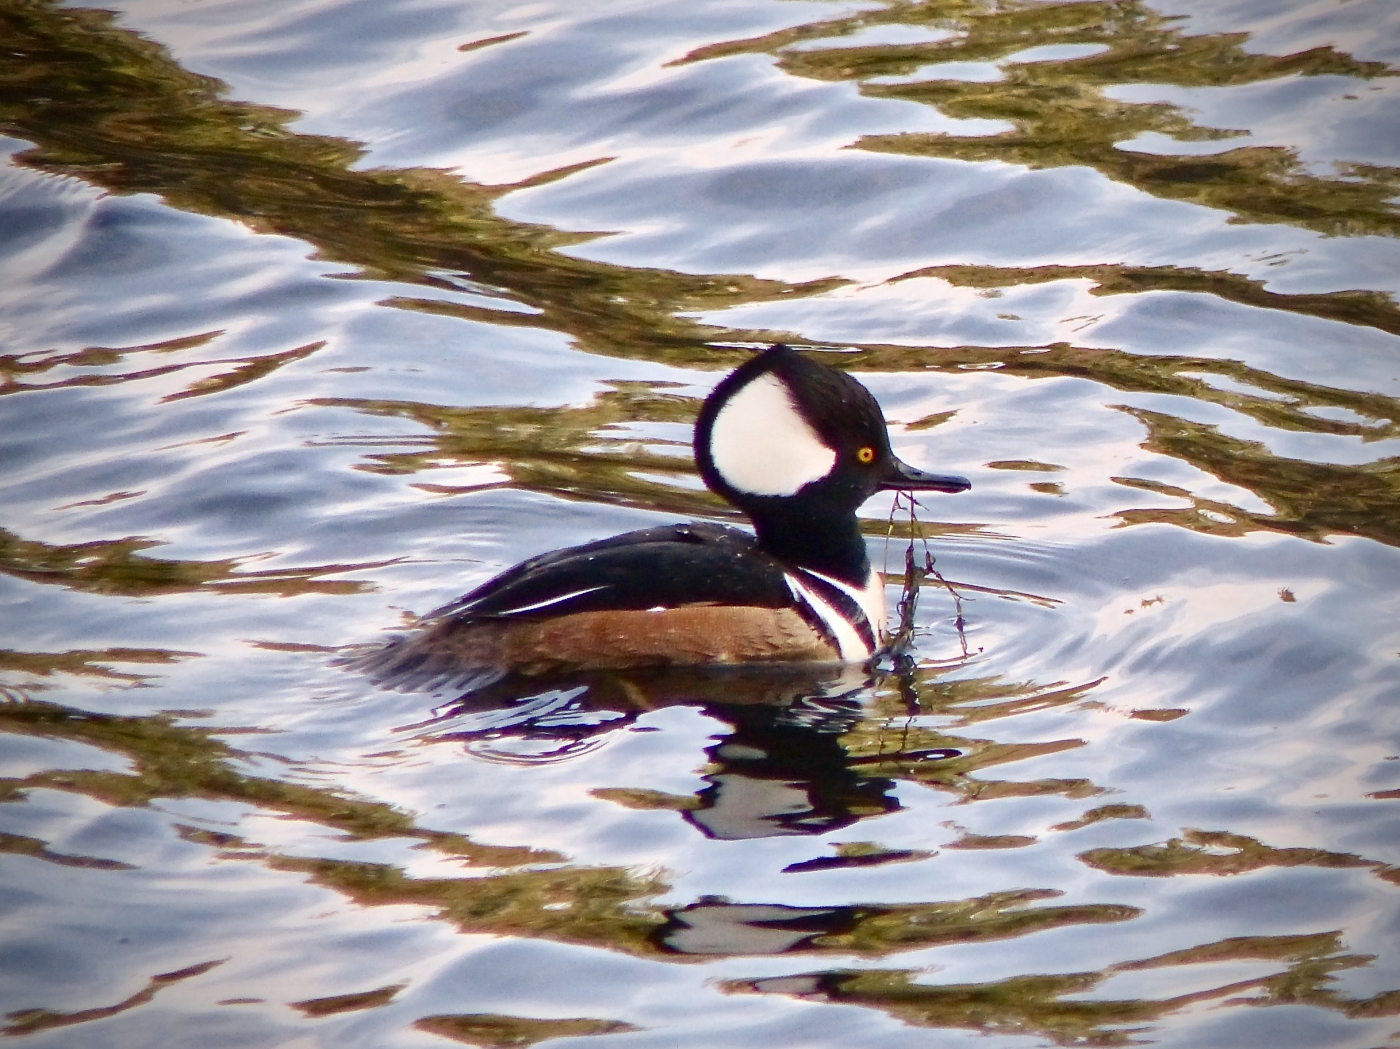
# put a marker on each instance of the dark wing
(654, 568)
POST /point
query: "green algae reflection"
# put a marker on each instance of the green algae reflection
(529, 893)
(523, 892)
(511, 891)
(121, 567)
(1071, 1009)
(493, 1031)
(1059, 112)
(1309, 499)
(107, 106)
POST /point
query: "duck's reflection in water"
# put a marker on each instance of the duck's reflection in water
(781, 769)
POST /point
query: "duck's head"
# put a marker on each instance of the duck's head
(784, 434)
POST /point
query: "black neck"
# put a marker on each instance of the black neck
(823, 542)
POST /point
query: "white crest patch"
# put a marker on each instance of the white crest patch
(762, 446)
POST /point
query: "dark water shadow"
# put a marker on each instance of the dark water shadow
(780, 767)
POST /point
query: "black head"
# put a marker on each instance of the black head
(799, 446)
(782, 426)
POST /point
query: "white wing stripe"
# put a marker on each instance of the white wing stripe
(546, 602)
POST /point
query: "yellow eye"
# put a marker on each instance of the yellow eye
(866, 454)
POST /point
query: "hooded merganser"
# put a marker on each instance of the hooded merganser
(798, 446)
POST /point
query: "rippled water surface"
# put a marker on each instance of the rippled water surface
(316, 313)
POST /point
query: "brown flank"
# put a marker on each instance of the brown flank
(691, 634)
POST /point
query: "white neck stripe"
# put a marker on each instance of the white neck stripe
(870, 597)
(850, 646)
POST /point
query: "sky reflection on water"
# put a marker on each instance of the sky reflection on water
(413, 291)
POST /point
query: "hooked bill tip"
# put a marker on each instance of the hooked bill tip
(904, 477)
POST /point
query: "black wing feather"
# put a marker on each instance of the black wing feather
(657, 567)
